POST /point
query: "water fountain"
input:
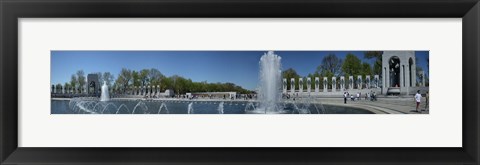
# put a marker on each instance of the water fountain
(270, 75)
(269, 100)
(104, 96)
(220, 108)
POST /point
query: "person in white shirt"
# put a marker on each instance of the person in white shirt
(418, 98)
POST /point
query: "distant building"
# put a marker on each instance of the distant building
(227, 95)
(93, 86)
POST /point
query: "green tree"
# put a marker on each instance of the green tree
(124, 79)
(67, 87)
(418, 74)
(81, 79)
(366, 69)
(58, 88)
(289, 74)
(377, 55)
(352, 65)
(155, 76)
(74, 81)
(330, 64)
(108, 78)
(136, 78)
(143, 75)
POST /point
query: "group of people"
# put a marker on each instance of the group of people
(372, 96)
(368, 96)
(418, 100)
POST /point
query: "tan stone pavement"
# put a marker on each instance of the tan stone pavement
(382, 105)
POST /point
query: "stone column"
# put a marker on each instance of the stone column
(292, 86)
(375, 81)
(309, 84)
(342, 83)
(284, 85)
(334, 84)
(350, 82)
(317, 84)
(367, 82)
(413, 73)
(359, 82)
(402, 76)
(325, 84)
(385, 80)
(300, 85)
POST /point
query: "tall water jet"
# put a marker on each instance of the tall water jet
(220, 108)
(104, 96)
(190, 108)
(270, 82)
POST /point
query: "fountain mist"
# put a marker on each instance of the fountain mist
(270, 81)
(104, 96)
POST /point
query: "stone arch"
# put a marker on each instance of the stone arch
(394, 71)
(410, 67)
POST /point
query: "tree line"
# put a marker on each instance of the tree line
(153, 77)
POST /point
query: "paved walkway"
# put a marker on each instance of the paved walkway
(386, 105)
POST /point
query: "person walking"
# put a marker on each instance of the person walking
(418, 98)
(344, 97)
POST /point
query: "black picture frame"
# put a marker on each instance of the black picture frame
(11, 10)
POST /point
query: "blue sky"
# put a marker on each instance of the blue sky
(239, 67)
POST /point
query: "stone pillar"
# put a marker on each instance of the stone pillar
(149, 90)
(284, 85)
(414, 75)
(317, 84)
(367, 82)
(292, 86)
(350, 82)
(385, 80)
(402, 75)
(309, 85)
(300, 85)
(342, 83)
(334, 84)
(325, 84)
(376, 80)
(359, 82)
(158, 90)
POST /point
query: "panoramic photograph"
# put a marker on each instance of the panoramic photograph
(239, 82)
